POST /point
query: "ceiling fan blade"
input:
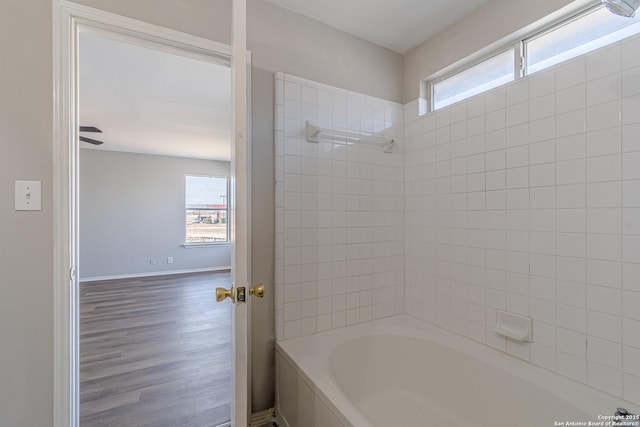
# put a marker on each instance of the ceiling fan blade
(89, 129)
(91, 141)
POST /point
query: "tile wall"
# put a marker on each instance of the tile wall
(527, 199)
(339, 210)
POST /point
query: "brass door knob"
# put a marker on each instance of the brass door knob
(222, 294)
(257, 290)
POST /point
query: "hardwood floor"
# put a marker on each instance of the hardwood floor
(155, 352)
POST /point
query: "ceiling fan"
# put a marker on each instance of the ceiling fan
(90, 140)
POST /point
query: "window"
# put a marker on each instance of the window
(586, 31)
(206, 209)
(479, 78)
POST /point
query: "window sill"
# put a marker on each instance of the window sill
(204, 245)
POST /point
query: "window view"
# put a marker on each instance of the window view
(206, 209)
(486, 75)
(583, 34)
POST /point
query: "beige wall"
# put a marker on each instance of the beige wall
(131, 211)
(26, 261)
(490, 23)
(280, 41)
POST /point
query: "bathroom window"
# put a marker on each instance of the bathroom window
(588, 31)
(583, 32)
(486, 75)
(206, 209)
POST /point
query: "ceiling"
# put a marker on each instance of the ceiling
(398, 24)
(146, 100)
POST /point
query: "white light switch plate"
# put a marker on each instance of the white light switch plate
(28, 196)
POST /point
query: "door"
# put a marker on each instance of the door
(69, 18)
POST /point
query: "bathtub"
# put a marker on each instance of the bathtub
(402, 372)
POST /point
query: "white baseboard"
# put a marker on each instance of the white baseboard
(154, 273)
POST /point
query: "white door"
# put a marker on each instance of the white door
(68, 18)
(240, 213)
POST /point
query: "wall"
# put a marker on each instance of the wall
(132, 209)
(487, 25)
(526, 199)
(26, 306)
(280, 40)
(339, 211)
(26, 366)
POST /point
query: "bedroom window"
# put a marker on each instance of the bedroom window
(206, 209)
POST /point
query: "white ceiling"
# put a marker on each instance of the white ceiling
(150, 101)
(397, 24)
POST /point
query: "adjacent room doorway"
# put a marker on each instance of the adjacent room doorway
(88, 340)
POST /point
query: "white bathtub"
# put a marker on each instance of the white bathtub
(403, 372)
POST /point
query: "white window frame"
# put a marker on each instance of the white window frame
(518, 44)
(228, 218)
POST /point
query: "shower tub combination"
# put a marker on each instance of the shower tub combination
(400, 371)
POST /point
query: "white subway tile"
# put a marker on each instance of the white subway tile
(630, 301)
(605, 378)
(571, 318)
(604, 273)
(571, 99)
(571, 366)
(517, 92)
(604, 89)
(631, 277)
(631, 165)
(570, 172)
(604, 221)
(631, 248)
(571, 293)
(631, 82)
(570, 123)
(571, 73)
(605, 326)
(603, 195)
(570, 147)
(630, 50)
(571, 196)
(517, 156)
(631, 332)
(542, 197)
(515, 114)
(630, 139)
(631, 388)
(606, 300)
(604, 247)
(603, 62)
(603, 116)
(631, 357)
(631, 193)
(571, 244)
(603, 142)
(571, 220)
(543, 152)
(630, 108)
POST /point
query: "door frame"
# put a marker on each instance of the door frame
(68, 20)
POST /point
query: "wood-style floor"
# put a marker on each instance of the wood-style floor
(155, 352)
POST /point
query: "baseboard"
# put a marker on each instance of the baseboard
(154, 273)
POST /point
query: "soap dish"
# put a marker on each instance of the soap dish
(514, 326)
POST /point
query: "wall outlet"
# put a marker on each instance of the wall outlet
(169, 260)
(152, 261)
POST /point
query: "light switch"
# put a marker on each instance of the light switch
(28, 196)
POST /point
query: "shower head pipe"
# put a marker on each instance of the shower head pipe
(626, 8)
